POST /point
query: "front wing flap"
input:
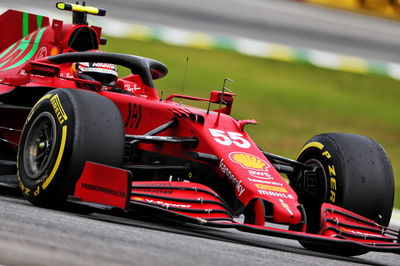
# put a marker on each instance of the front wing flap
(191, 199)
(342, 224)
(387, 241)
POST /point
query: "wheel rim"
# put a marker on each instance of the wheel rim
(312, 196)
(321, 189)
(39, 145)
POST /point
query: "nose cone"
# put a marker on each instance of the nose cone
(285, 212)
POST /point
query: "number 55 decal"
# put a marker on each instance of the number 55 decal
(227, 138)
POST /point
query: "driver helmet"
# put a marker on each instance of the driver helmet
(105, 73)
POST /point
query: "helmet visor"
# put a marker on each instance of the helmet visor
(102, 72)
(105, 79)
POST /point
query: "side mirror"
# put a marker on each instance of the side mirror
(225, 98)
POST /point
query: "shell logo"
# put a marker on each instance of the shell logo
(248, 161)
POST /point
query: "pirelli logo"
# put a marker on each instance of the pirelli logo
(271, 188)
(58, 109)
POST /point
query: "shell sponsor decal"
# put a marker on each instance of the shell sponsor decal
(271, 188)
(255, 166)
(249, 161)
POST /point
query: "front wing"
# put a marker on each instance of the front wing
(197, 204)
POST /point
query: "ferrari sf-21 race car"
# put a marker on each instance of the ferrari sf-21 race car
(65, 138)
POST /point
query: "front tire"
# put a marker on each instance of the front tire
(66, 128)
(354, 173)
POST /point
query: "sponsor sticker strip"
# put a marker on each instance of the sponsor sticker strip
(271, 188)
(276, 194)
(162, 203)
(236, 182)
(58, 109)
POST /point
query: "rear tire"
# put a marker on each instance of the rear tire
(356, 174)
(66, 128)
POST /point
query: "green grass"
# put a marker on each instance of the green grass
(291, 102)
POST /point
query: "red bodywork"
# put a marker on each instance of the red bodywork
(229, 174)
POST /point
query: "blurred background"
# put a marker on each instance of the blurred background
(300, 67)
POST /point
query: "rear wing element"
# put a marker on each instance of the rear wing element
(15, 25)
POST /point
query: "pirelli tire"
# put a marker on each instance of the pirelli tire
(355, 173)
(66, 128)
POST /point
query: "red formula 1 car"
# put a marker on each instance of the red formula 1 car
(67, 138)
